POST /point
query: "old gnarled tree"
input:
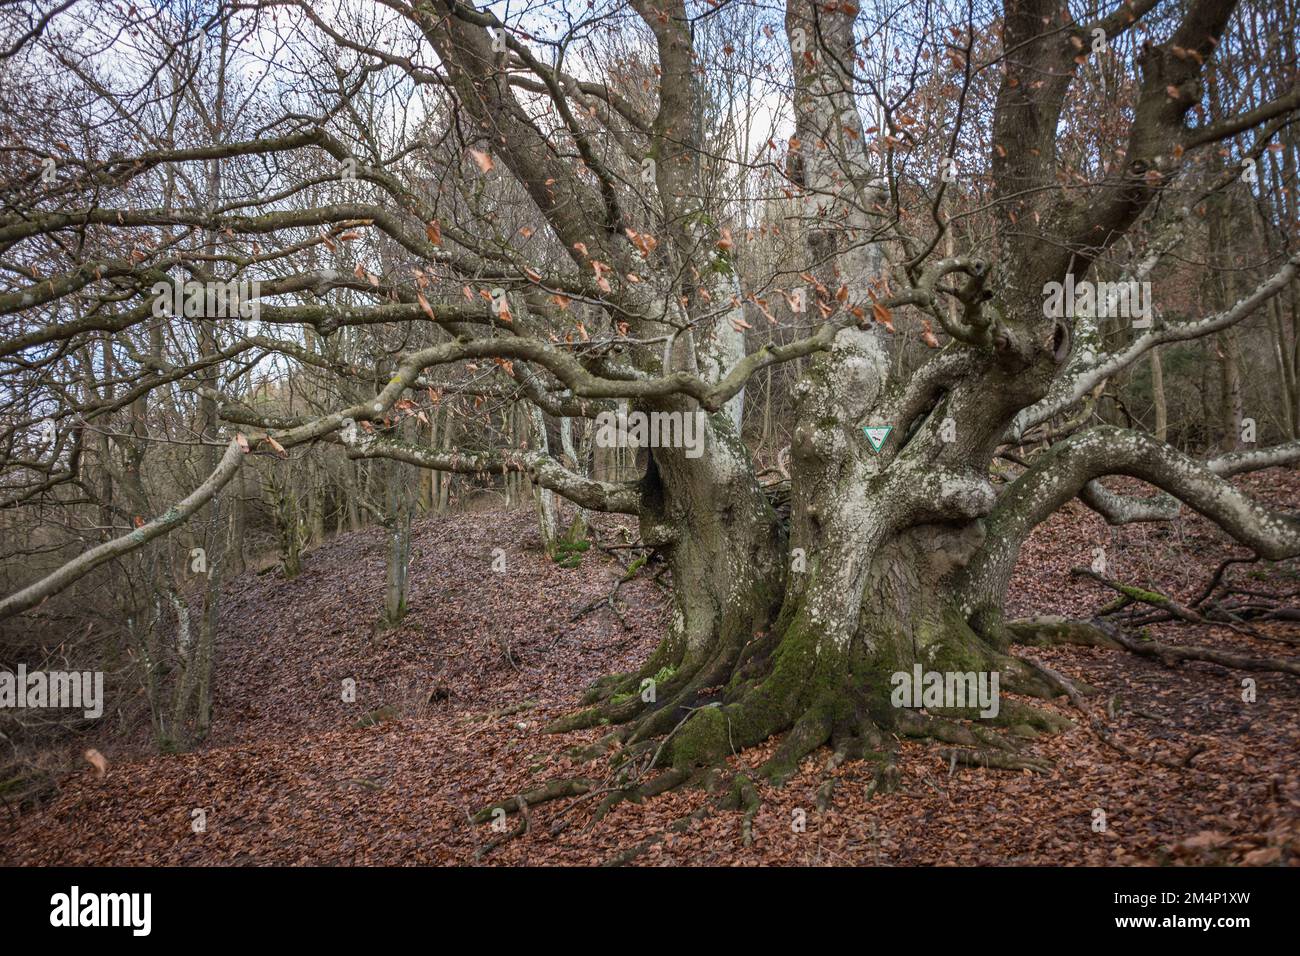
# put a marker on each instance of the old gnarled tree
(601, 209)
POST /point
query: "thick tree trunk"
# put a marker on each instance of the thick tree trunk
(806, 633)
(829, 676)
(724, 545)
(878, 540)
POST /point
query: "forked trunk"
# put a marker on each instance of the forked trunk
(880, 540)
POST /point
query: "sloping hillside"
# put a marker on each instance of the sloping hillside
(1183, 768)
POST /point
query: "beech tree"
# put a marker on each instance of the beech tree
(648, 206)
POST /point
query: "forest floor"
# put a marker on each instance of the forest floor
(484, 660)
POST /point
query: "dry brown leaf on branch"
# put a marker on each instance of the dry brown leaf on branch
(882, 315)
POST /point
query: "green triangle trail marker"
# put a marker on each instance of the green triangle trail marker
(876, 434)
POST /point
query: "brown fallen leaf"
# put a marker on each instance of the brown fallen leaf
(1263, 856)
(98, 761)
(1205, 840)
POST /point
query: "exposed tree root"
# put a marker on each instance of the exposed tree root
(1227, 610)
(623, 700)
(747, 796)
(926, 727)
(687, 732)
(668, 780)
(825, 793)
(809, 732)
(1077, 691)
(979, 747)
(553, 790)
(677, 826)
(1046, 631)
(996, 759)
(740, 794)
(1023, 676)
(859, 739)
(1111, 741)
(493, 844)
(887, 775)
(1171, 609)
